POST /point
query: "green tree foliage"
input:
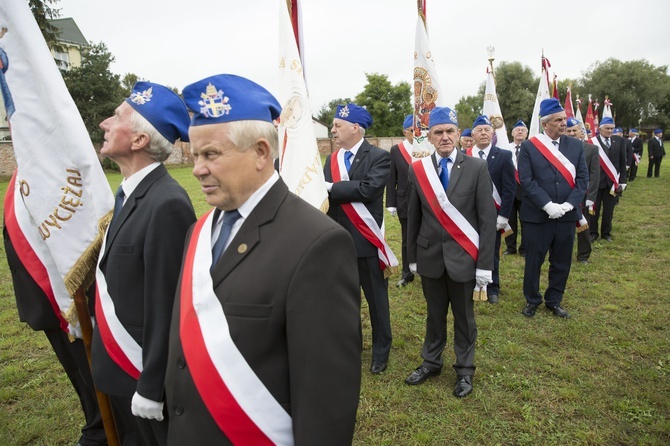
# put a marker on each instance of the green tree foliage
(327, 112)
(127, 82)
(469, 107)
(95, 89)
(43, 12)
(516, 86)
(388, 104)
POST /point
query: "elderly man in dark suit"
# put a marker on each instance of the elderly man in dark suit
(574, 129)
(356, 176)
(519, 135)
(265, 344)
(396, 190)
(139, 262)
(553, 174)
(451, 232)
(638, 148)
(656, 153)
(501, 169)
(613, 173)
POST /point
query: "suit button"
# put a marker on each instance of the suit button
(178, 410)
(181, 363)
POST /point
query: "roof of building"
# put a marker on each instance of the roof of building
(69, 32)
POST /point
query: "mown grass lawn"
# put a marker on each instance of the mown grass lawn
(599, 378)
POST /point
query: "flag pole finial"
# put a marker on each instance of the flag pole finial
(491, 50)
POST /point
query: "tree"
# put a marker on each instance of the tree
(516, 86)
(469, 107)
(388, 104)
(127, 82)
(96, 90)
(327, 112)
(43, 13)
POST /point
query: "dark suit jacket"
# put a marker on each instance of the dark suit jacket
(368, 177)
(501, 169)
(396, 190)
(638, 146)
(428, 243)
(141, 266)
(656, 148)
(617, 154)
(592, 157)
(629, 151)
(543, 183)
(292, 303)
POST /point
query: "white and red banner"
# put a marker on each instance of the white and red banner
(492, 110)
(569, 113)
(61, 198)
(542, 94)
(299, 159)
(240, 404)
(426, 87)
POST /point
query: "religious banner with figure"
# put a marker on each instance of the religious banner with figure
(59, 201)
(299, 159)
(427, 92)
(542, 94)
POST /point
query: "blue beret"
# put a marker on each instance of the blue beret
(618, 130)
(633, 130)
(572, 122)
(481, 120)
(549, 107)
(467, 132)
(354, 114)
(442, 115)
(520, 123)
(657, 131)
(226, 98)
(606, 121)
(408, 122)
(589, 132)
(163, 108)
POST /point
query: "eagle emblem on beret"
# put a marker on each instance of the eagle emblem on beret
(143, 97)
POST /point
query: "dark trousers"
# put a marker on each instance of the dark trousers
(494, 287)
(375, 289)
(515, 224)
(406, 273)
(72, 357)
(584, 237)
(655, 164)
(439, 294)
(136, 431)
(632, 173)
(557, 238)
(605, 202)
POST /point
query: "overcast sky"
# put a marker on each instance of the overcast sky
(177, 43)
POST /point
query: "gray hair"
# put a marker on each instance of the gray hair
(244, 134)
(159, 148)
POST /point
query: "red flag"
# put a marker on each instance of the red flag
(590, 122)
(554, 93)
(569, 112)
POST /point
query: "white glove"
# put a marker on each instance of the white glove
(412, 268)
(567, 207)
(483, 277)
(75, 330)
(145, 408)
(589, 203)
(501, 223)
(393, 211)
(553, 210)
(623, 186)
(329, 186)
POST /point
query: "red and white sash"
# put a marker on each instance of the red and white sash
(406, 152)
(607, 166)
(240, 404)
(361, 217)
(637, 158)
(544, 145)
(458, 227)
(120, 345)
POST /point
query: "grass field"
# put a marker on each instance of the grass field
(599, 378)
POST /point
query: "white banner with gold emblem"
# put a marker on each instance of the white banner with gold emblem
(492, 110)
(61, 192)
(299, 161)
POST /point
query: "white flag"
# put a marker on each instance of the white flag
(427, 92)
(542, 94)
(607, 108)
(492, 110)
(61, 201)
(299, 159)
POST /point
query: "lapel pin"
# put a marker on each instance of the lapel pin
(242, 248)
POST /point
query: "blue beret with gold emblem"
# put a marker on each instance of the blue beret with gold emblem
(355, 114)
(549, 107)
(572, 122)
(618, 130)
(520, 123)
(408, 122)
(163, 108)
(467, 132)
(228, 97)
(442, 115)
(606, 121)
(481, 120)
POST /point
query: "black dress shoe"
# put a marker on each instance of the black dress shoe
(377, 367)
(559, 312)
(593, 237)
(421, 374)
(463, 386)
(607, 238)
(493, 298)
(404, 282)
(585, 262)
(508, 252)
(529, 310)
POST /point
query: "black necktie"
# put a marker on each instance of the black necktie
(481, 154)
(229, 219)
(118, 202)
(607, 143)
(517, 151)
